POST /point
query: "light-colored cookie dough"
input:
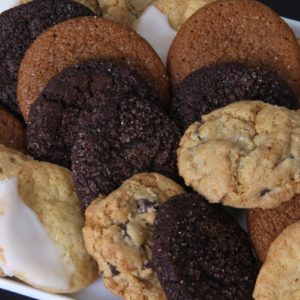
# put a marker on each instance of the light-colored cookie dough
(118, 234)
(178, 11)
(49, 193)
(279, 277)
(246, 154)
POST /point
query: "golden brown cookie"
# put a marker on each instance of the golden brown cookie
(246, 154)
(49, 193)
(118, 234)
(82, 39)
(279, 277)
(264, 225)
(12, 131)
(244, 31)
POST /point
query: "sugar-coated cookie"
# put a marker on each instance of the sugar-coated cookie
(246, 154)
(118, 234)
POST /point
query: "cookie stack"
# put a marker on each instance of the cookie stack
(109, 133)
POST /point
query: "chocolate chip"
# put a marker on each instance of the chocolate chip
(264, 192)
(290, 156)
(124, 230)
(114, 271)
(147, 265)
(144, 204)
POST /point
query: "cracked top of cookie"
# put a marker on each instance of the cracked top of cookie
(246, 154)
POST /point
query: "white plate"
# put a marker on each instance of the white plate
(96, 290)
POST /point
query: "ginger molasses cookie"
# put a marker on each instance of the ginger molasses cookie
(215, 86)
(19, 26)
(201, 252)
(244, 31)
(246, 154)
(54, 118)
(264, 225)
(118, 234)
(82, 39)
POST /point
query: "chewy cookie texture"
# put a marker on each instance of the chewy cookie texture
(118, 234)
(243, 155)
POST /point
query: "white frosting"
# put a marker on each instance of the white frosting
(26, 246)
(154, 27)
(7, 4)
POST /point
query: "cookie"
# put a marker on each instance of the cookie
(215, 86)
(82, 39)
(279, 275)
(118, 234)
(200, 251)
(91, 4)
(19, 26)
(244, 155)
(178, 11)
(54, 117)
(264, 225)
(44, 199)
(12, 131)
(224, 31)
(119, 138)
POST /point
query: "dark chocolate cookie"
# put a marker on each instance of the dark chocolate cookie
(19, 27)
(55, 116)
(200, 251)
(215, 86)
(119, 138)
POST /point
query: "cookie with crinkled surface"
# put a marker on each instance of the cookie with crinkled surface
(246, 154)
(118, 234)
(279, 277)
(264, 225)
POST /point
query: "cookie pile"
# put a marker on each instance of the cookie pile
(111, 137)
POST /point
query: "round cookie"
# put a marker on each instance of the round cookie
(264, 225)
(48, 191)
(278, 278)
(224, 31)
(200, 251)
(54, 117)
(118, 234)
(82, 39)
(119, 138)
(12, 131)
(215, 86)
(19, 26)
(245, 155)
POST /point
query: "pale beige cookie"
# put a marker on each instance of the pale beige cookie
(178, 11)
(118, 234)
(279, 277)
(48, 191)
(246, 154)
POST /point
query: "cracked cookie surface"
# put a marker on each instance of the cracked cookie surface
(118, 234)
(246, 154)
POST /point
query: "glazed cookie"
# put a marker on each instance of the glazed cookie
(19, 26)
(278, 278)
(119, 138)
(82, 39)
(200, 251)
(264, 225)
(245, 155)
(54, 117)
(42, 196)
(12, 131)
(118, 234)
(178, 11)
(226, 83)
(224, 31)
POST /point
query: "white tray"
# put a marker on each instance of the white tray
(97, 290)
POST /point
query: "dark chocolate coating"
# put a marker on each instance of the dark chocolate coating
(200, 251)
(119, 138)
(54, 119)
(19, 26)
(216, 86)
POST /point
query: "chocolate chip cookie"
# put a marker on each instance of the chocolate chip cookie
(200, 251)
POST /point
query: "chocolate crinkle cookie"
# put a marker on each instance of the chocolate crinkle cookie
(216, 86)
(200, 251)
